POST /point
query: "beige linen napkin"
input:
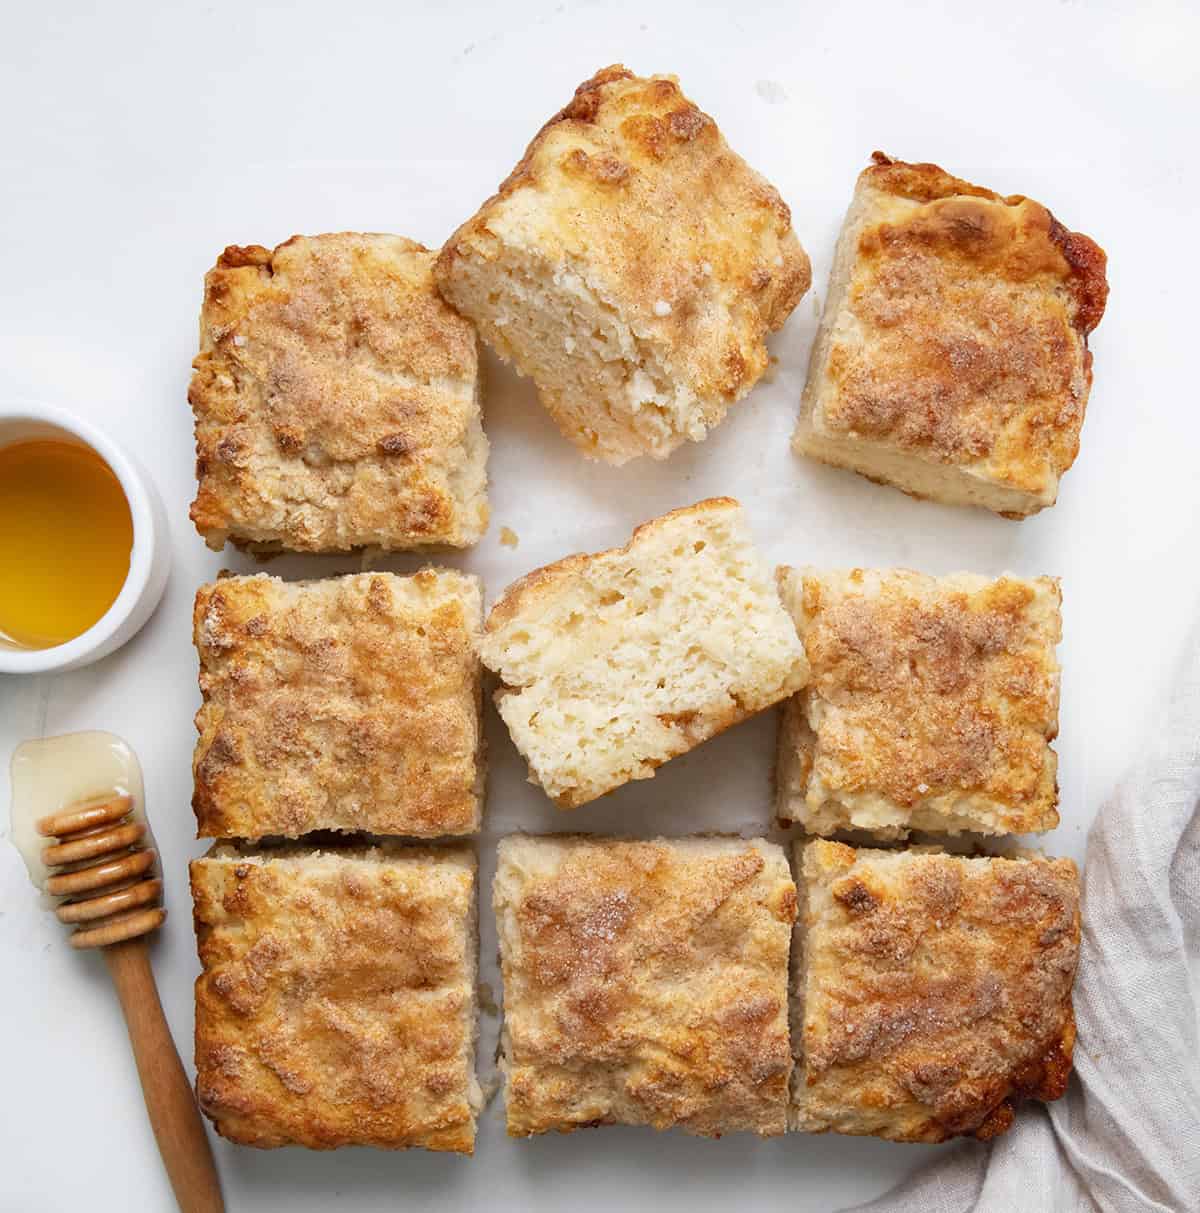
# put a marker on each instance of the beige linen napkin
(1126, 1137)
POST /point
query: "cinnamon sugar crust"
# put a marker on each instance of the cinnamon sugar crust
(933, 992)
(337, 1005)
(336, 400)
(953, 358)
(645, 983)
(351, 703)
(932, 703)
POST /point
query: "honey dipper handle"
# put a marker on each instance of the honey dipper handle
(170, 1102)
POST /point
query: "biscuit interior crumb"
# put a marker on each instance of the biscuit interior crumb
(615, 662)
(632, 266)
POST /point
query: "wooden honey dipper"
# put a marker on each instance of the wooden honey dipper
(106, 873)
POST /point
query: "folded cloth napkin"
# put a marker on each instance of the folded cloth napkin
(1126, 1137)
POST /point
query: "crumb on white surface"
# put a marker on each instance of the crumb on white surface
(771, 91)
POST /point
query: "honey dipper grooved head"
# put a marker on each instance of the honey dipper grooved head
(105, 872)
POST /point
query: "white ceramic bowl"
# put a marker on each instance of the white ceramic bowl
(149, 562)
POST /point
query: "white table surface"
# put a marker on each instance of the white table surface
(139, 139)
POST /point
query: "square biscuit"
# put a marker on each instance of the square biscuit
(615, 662)
(337, 1002)
(351, 703)
(933, 991)
(631, 265)
(931, 706)
(952, 360)
(336, 400)
(645, 983)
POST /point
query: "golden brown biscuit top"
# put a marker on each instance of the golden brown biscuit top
(938, 988)
(637, 188)
(965, 329)
(645, 983)
(929, 686)
(328, 358)
(346, 337)
(350, 703)
(977, 231)
(336, 1000)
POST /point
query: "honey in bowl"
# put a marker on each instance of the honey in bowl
(66, 534)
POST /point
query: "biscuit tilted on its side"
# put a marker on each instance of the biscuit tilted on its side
(336, 399)
(631, 265)
(933, 992)
(612, 663)
(952, 360)
(351, 703)
(337, 1002)
(931, 706)
(645, 983)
